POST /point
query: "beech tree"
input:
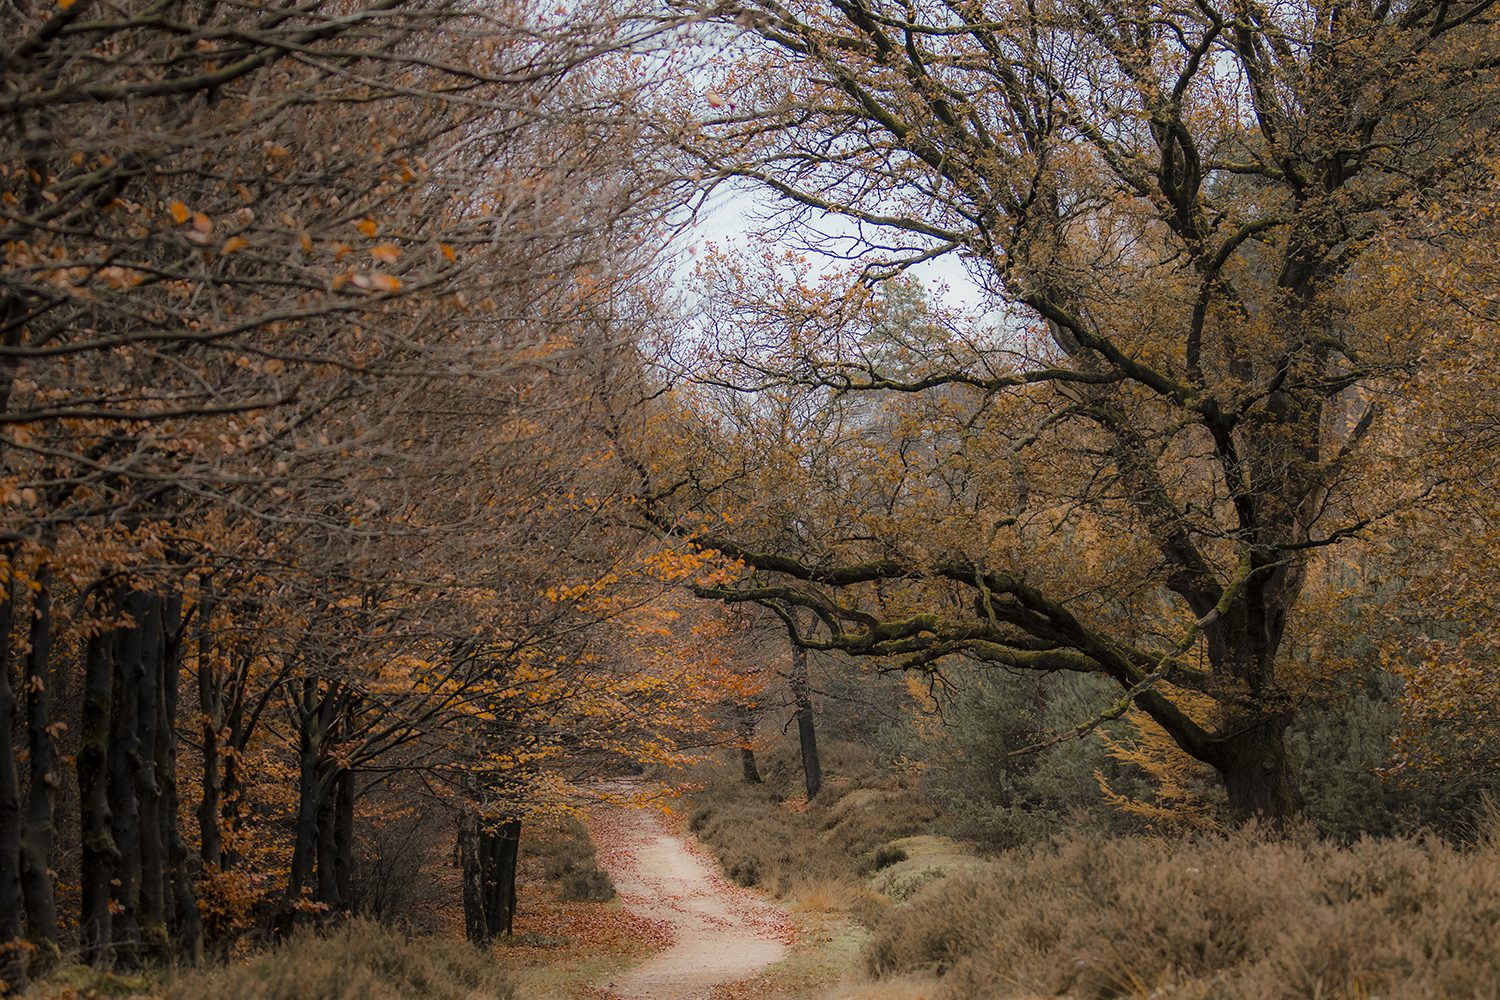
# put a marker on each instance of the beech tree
(1181, 210)
(277, 284)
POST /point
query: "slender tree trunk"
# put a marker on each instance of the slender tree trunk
(148, 791)
(125, 758)
(327, 882)
(507, 852)
(304, 843)
(313, 785)
(210, 705)
(475, 926)
(13, 946)
(187, 922)
(343, 841)
(807, 737)
(99, 853)
(37, 835)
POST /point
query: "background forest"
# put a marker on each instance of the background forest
(388, 471)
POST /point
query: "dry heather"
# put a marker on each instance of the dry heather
(360, 961)
(768, 836)
(1242, 919)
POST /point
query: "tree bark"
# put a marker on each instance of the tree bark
(37, 835)
(507, 847)
(748, 771)
(1259, 774)
(316, 711)
(187, 922)
(148, 790)
(13, 946)
(210, 833)
(807, 736)
(125, 757)
(99, 851)
(343, 841)
(327, 882)
(489, 852)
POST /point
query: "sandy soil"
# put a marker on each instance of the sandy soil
(721, 932)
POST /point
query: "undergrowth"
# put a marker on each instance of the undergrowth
(769, 836)
(359, 961)
(563, 851)
(1239, 918)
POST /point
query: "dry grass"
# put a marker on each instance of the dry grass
(359, 961)
(1238, 919)
(895, 988)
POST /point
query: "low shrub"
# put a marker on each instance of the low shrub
(563, 851)
(587, 885)
(768, 836)
(359, 961)
(1231, 919)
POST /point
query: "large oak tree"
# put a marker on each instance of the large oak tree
(1193, 215)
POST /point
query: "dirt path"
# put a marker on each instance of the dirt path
(721, 932)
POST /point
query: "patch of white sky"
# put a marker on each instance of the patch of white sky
(740, 219)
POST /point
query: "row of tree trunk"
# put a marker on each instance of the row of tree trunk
(488, 851)
(137, 903)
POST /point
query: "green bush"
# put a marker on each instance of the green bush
(1000, 800)
(1343, 740)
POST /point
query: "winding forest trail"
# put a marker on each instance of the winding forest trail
(721, 933)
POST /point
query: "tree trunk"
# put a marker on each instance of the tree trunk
(305, 840)
(475, 927)
(210, 833)
(807, 737)
(148, 791)
(186, 920)
(315, 713)
(125, 756)
(489, 852)
(1250, 752)
(748, 770)
(99, 852)
(13, 946)
(507, 848)
(37, 834)
(343, 841)
(327, 882)
(1259, 774)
